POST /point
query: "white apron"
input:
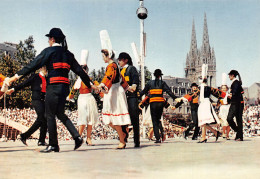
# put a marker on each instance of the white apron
(115, 108)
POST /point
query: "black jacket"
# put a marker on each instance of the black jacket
(58, 62)
(157, 84)
(36, 86)
(237, 92)
(131, 76)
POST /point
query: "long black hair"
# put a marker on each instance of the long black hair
(130, 62)
(62, 41)
(157, 74)
(235, 73)
(239, 78)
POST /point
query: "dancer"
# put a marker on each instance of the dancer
(59, 61)
(37, 82)
(147, 119)
(130, 75)
(237, 105)
(156, 88)
(193, 97)
(206, 114)
(224, 108)
(87, 106)
(115, 110)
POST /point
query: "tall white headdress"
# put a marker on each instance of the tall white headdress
(204, 71)
(84, 57)
(106, 42)
(224, 79)
(83, 61)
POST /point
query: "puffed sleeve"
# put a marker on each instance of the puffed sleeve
(109, 76)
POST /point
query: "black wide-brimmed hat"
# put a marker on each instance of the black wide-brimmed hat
(56, 33)
(157, 72)
(233, 72)
(194, 84)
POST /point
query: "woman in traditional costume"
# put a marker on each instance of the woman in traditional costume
(87, 106)
(115, 110)
(224, 108)
(206, 113)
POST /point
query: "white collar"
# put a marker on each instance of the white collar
(56, 44)
(234, 80)
(125, 66)
(41, 73)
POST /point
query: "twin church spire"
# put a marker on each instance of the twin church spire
(195, 57)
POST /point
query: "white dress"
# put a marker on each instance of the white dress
(87, 107)
(206, 112)
(115, 108)
(223, 112)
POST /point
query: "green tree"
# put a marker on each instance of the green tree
(147, 74)
(25, 51)
(24, 54)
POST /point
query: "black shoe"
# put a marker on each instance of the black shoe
(228, 138)
(218, 134)
(194, 138)
(78, 142)
(203, 141)
(23, 139)
(137, 145)
(42, 144)
(51, 149)
(158, 141)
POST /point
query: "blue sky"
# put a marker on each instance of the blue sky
(233, 25)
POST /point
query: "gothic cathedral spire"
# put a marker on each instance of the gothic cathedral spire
(205, 48)
(195, 58)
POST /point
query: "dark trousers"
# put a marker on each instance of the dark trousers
(236, 110)
(134, 115)
(194, 117)
(156, 114)
(40, 122)
(55, 106)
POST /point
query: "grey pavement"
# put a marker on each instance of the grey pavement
(175, 158)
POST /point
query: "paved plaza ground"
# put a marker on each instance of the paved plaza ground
(176, 158)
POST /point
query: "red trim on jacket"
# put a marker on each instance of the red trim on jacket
(59, 80)
(61, 65)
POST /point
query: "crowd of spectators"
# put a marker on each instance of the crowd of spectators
(27, 116)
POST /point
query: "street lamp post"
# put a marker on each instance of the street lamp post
(142, 14)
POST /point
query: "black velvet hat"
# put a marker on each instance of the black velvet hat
(157, 72)
(56, 33)
(194, 84)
